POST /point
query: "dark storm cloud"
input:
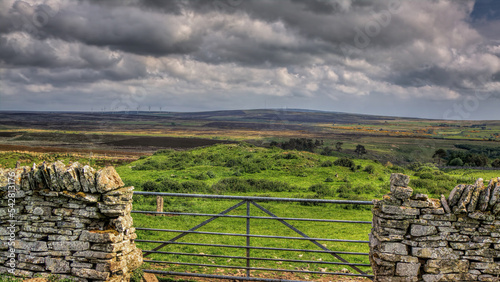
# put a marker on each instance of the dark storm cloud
(223, 50)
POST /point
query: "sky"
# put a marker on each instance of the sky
(429, 59)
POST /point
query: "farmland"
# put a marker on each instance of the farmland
(246, 153)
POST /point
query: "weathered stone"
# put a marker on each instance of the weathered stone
(456, 194)
(94, 254)
(56, 265)
(81, 265)
(420, 197)
(407, 269)
(487, 253)
(90, 198)
(495, 196)
(468, 245)
(69, 246)
(90, 273)
(451, 277)
(446, 207)
(400, 210)
(422, 230)
(464, 200)
(435, 253)
(87, 179)
(394, 248)
(478, 189)
(98, 236)
(484, 198)
(446, 266)
(399, 179)
(108, 179)
(68, 178)
(31, 259)
(401, 193)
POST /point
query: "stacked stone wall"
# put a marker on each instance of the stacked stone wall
(415, 238)
(71, 221)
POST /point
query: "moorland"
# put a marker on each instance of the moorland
(279, 153)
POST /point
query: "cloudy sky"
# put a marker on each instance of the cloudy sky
(435, 59)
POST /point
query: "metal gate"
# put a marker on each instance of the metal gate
(244, 206)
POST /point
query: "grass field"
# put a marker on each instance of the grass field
(141, 147)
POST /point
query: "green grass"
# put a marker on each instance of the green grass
(302, 171)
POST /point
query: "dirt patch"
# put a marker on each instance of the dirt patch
(165, 142)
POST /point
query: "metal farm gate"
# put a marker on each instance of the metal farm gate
(169, 258)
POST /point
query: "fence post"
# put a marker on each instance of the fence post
(159, 204)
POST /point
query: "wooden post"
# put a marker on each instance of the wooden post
(159, 204)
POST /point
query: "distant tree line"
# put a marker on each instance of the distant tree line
(300, 144)
(474, 157)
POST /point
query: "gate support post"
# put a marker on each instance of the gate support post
(159, 204)
(248, 238)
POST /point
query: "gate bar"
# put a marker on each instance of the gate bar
(256, 217)
(266, 259)
(237, 277)
(253, 235)
(251, 268)
(253, 198)
(251, 247)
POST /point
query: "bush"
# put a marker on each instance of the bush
(151, 186)
(321, 190)
(496, 163)
(211, 174)
(201, 176)
(370, 169)
(456, 162)
(235, 184)
(326, 164)
(194, 186)
(345, 162)
(329, 179)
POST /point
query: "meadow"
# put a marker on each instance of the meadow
(244, 169)
(230, 153)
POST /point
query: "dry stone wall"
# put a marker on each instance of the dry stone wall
(70, 221)
(415, 238)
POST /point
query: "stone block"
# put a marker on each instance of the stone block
(407, 269)
(69, 245)
(399, 179)
(394, 248)
(435, 266)
(107, 179)
(90, 274)
(435, 253)
(402, 193)
(56, 265)
(101, 236)
(399, 210)
(422, 230)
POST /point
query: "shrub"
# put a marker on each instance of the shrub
(370, 169)
(326, 164)
(194, 186)
(345, 162)
(456, 162)
(496, 163)
(329, 179)
(151, 186)
(321, 190)
(211, 174)
(201, 176)
(234, 184)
